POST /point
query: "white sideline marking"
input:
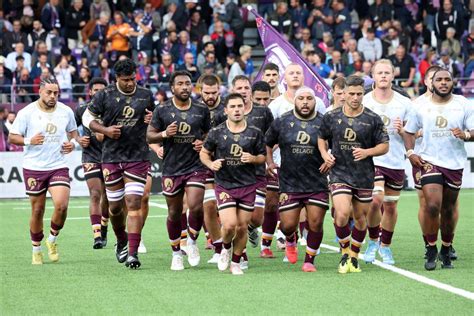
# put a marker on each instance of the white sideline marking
(163, 206)
(416, 277)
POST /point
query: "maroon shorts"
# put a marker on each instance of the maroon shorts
(416, 173)
(242, 198)
(393, 178)
(37, 182)
(291, 200)
(361, 195)
(92, 170)
(172, 185)
(148, 173)
(115, 172)
(273, 184)
(261, 186)
(209, 176)
(446, 177)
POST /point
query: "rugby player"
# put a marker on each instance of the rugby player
(394, 109)
(46, 127)
(181, 125)
(447, 121)
(357, 134)
(260, 117)
(123, 109)
(296, 133)
(416, 172)
(233, 150)
(211, 97)
(91, 164)
(271, 75)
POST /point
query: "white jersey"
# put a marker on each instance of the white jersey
(422, 99)
(53, 125)
(439, 146)
(281, 105)
(398, 107)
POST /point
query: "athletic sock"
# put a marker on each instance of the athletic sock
(313, 241)
(194, 226)
(217, 245)
(374, 232)
(96, 225)
(357, 240)
(447, 239)
(133, 243)
(244, 254)
(431, 238)
(174, 234)
(227, 246)
(120, 233)
(344, 235)
(291, 239)
(54, 232)
(269, 225)
(236, 258)
(386, 237)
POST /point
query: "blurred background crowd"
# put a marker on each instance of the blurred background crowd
(76, 40)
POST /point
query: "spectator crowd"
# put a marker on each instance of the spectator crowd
(75, 40)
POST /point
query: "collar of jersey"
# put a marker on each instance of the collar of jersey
(124, 93)
(227, 125)
(185, 109)
(344, 112)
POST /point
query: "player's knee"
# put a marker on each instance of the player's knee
(37, 212)
(196, 209)
(174, 214)
(133, 203)
(61, 207)
(432, 209)
(95, 195)
(229, 226)
(256, 221)
(316, 225)
(115, 208)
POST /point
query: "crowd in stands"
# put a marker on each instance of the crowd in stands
(76, 40)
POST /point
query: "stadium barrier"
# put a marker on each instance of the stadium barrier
(12, 182)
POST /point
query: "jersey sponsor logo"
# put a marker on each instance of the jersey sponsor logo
(128, 112)
(441, 122)
(184, 128)
(106, 174)
(168, 184)
(51, 128)
(350, 135)
(236, 150)
(31, 183)
(303, 138)
(224, 196)
(385, 119)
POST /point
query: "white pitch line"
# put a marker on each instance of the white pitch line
(163, 206)
(416, 277)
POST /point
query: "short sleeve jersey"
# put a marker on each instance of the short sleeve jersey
(345, 133)
(115, 108)
(297, 139)
(216, 113)
(54, 126)
(438, 145)
(398, 107)
(193, 123)
(93, 152)
(223, 144)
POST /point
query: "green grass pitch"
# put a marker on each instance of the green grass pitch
(87, 281)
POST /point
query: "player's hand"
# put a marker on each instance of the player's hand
(84, 141)
(324, 168)
(99, 137)
(398, 125)
(272, 170)
(329, 159)
(359, 154)
(216, 165)
(113, 131)
(67, 147)
(458, 133)
(198, 145)
(172, 129)
(247, 158)
(416, 161)
(38, 139)
(148, 116)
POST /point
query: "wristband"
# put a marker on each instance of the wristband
(74, 142)
(467, 135)
(164, 135)
(27, 141)
(410, 152)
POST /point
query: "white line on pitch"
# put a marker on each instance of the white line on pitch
(87, 217)
(416, 277)
(163, 206)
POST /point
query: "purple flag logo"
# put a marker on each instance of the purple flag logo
(282, 53)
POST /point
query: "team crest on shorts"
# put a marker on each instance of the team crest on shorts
(283, 198)
(428, 167)
(89, 166)
(418, 176)
(31, 182)
(106, 174)
(223, 196)
(168, 184)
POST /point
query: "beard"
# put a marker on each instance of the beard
(182, 98)
(305, 116)
(442, 94)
